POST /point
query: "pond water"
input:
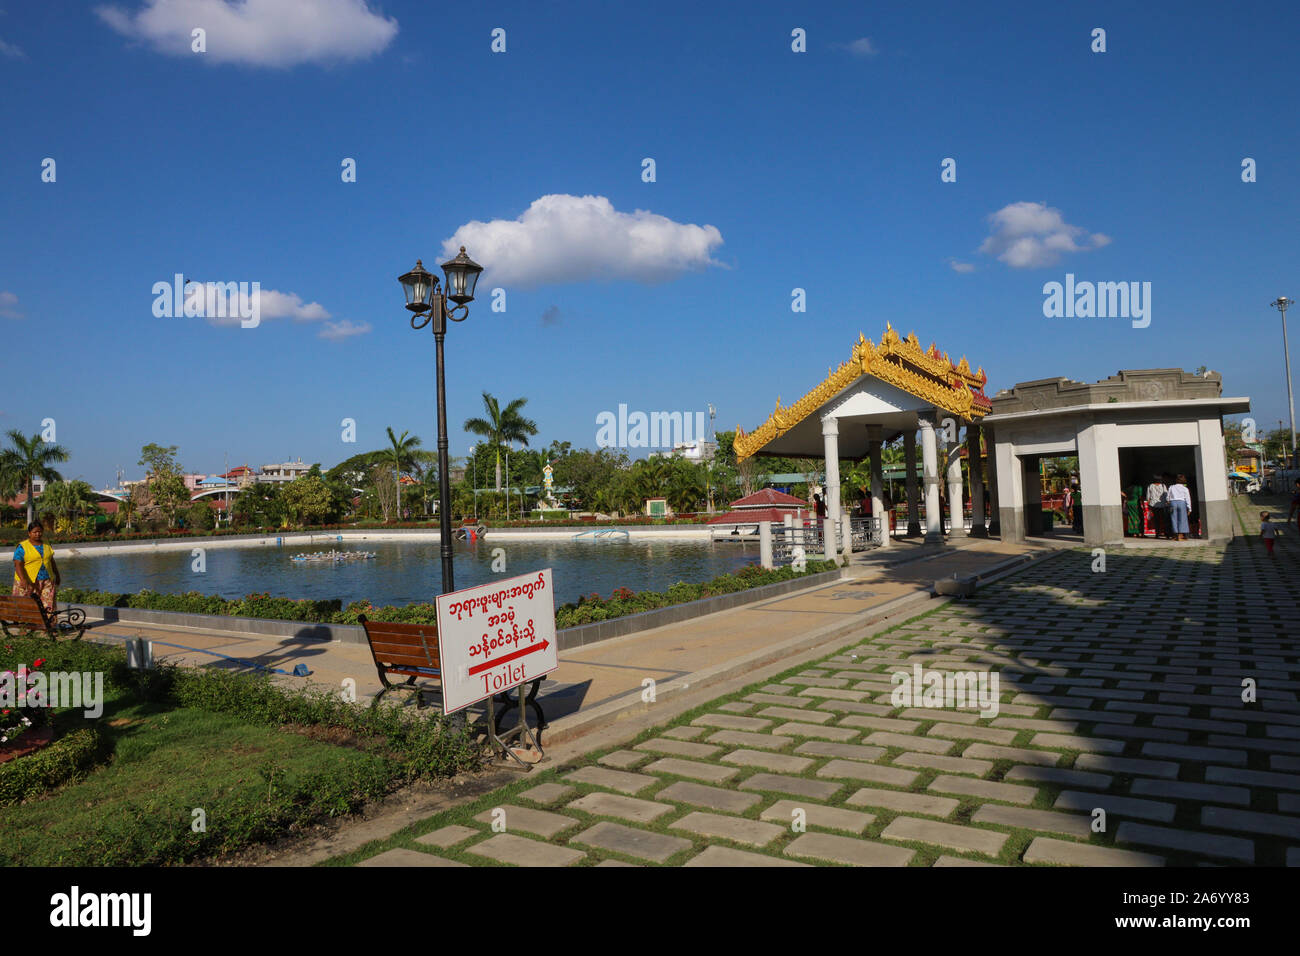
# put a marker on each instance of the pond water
(408, 572)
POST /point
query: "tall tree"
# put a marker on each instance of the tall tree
(308, 500)
(31, 458)
(400, 455)
(165, 482)
(502, 425)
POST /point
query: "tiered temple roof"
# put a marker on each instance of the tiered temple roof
(928, 374)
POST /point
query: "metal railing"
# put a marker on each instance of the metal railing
(864, 533)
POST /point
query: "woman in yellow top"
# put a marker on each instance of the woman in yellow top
(34, 567)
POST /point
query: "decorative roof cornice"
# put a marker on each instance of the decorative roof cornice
(929, 375)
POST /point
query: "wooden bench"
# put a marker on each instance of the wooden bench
(411, 651)
(28, 614)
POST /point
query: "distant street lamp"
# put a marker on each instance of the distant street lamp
(1281, 304)
(422, 296)
(473, 457)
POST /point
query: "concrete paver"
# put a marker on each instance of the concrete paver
(1109, 702)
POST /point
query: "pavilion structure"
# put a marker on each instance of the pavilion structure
(882, 391)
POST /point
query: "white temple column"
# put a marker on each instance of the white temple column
(930, 473)
(874, 436)
(913, 493)
(976, 467)
(956, 511)
(831, 443)
(995, 517)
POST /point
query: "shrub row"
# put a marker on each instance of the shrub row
(586, 610)
(65, 759)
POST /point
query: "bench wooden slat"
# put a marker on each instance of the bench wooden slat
(397, 627)
(21, 610)
(406, 660)
(408, 650)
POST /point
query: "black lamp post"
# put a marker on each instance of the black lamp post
(422, 296)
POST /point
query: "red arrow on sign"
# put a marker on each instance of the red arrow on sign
(487, 665)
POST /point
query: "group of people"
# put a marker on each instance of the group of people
(1169, 503)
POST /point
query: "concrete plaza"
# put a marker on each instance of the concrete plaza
(1122, 739)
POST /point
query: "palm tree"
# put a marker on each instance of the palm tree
(401, 452)
(68, 499)
(501, 426)
(31, 458)
(127, 509)
(686, 486)
(399, 456)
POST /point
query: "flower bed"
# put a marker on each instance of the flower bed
(21, 717)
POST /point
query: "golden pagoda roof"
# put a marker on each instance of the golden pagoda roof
(928, 374)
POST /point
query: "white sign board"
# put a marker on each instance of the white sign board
(495, 637)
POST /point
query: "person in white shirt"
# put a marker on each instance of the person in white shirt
(1180, 503)
(1158, 502)
(1269, 530)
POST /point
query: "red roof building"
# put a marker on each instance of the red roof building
(766, 505)
(769, 498)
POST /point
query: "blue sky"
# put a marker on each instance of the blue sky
(818, 170)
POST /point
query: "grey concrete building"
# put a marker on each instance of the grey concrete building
(1123, 429)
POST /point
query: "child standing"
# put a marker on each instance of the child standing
(1269, 530)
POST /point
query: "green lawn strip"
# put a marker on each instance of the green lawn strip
(238, 748)
(138, 809)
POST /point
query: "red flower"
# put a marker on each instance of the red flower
(39, 661)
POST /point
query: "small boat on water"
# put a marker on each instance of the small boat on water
(333, 556)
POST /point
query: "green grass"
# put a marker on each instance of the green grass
(138, 808)
(258, 761)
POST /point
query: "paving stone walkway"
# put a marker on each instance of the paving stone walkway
(1121, 739)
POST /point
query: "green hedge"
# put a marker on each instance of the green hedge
(585, 611)
(65, 759)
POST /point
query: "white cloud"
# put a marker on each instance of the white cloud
(344, 329)
(862, 47)
(221, 306)
(962, 267)
(288, 305)
(1028, 235)
(563, 238)
(8, 49)
(271, 33)
(9, 306)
